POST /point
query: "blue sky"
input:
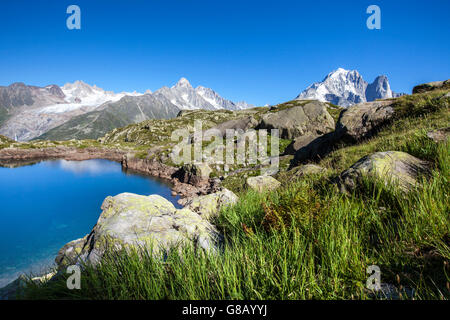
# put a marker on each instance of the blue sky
(258, 51)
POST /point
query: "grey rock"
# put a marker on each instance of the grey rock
(363, 120)
(209, 206)
(193, 173)
(263, 183)
(399, 168)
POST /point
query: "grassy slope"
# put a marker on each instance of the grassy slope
(306, 240)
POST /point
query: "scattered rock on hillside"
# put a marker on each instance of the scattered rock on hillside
(440, 135)
(391, 166)
(209, 205)
(430, 86)
(263, 183)
(307, 170)
(362, 121)
(131, 220)
(312, 117)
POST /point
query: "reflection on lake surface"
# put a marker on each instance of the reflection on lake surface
(45, 205)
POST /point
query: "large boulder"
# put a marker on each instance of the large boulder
(430, 86)
(399, 168)
(263, 183)
(130, 220)
(209, 206)
(363, 120)
(310, 118)
(194, 173)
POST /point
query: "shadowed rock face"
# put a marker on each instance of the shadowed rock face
(395, 167)
(195, 174)
(379, 89)
(311, 118)
(135, 221)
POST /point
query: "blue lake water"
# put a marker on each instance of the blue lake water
(45, 205)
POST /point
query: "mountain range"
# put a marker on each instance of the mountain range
(347, 87)
(78, 110)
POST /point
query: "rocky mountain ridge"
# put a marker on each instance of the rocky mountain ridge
(78, 110)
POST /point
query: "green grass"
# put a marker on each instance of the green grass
(407, 135)
(304, 241)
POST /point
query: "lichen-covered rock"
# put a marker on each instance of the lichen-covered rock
(131, 220)
(362, 121)
(208, 206)
(70, 251)
(263, 183)
(310, 118)
(399, 168)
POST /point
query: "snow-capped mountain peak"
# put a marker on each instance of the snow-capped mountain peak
(182, 83)
(347, 87)
(185, 97)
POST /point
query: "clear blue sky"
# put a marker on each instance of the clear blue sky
(258, 51)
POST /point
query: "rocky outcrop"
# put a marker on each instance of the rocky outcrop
(134, 221)
(309, 118)
(262, 183)
(355, 124)
(430, 86)
(398, 168)
(194, 173)
(151, 167)
(209, 206)
(363, 120)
